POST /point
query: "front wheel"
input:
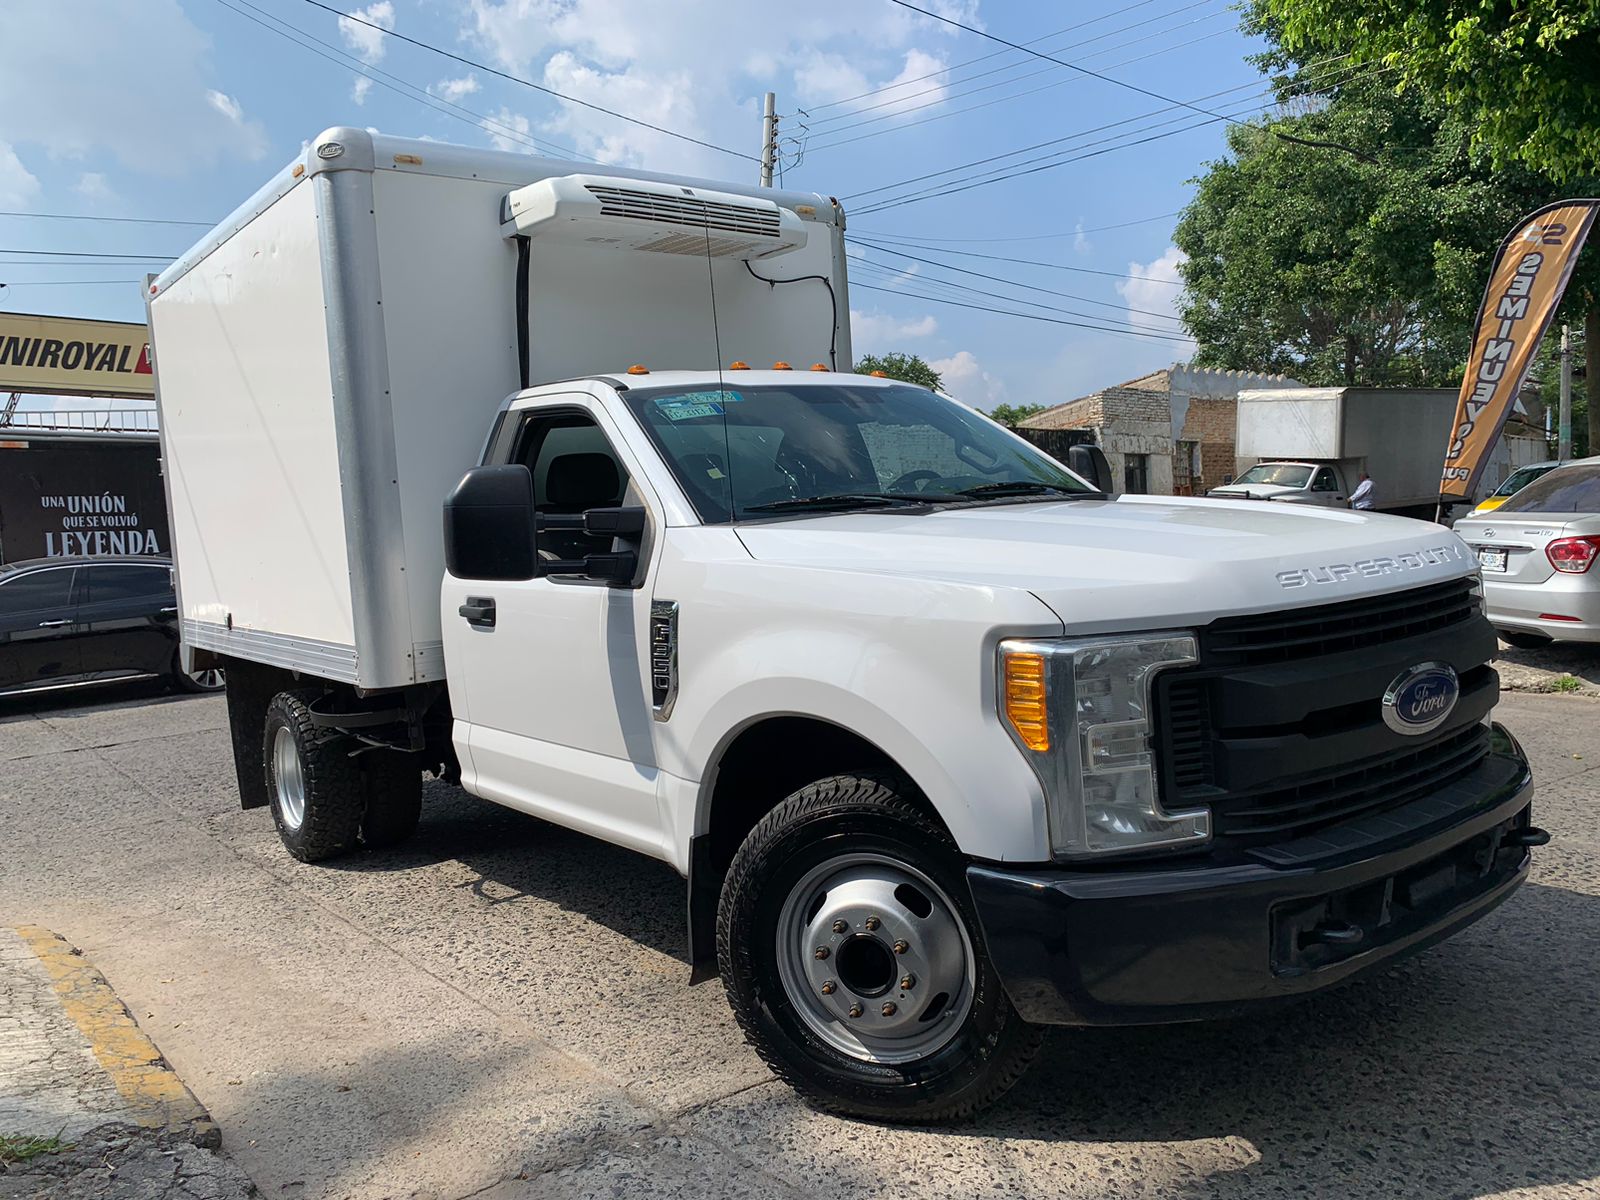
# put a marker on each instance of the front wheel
(854, 962)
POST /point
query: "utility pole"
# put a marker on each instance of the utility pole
(769, 138)
(1564, 422)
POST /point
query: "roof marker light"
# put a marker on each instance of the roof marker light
(819, 366)
(780, 365)
(638, 369)
(738, 364)
(879, 374)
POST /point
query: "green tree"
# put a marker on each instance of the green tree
(1348, 240)
(1523, 75)
(910, 368)
(1015, 414)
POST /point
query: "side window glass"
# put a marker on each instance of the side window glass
(37, 590)
(1325, 481)
(108, 583)
(573, 465)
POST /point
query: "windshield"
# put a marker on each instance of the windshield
(1520, 479)
(1287, 474)
(1563, 490)
(762, 451)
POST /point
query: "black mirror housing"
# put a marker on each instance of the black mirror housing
(488, 524)
(1091, 463)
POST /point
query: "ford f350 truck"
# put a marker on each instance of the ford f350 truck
(469, 476)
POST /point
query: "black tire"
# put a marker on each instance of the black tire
(391, 783)
(202, 682)
(1525, 641)
(334, 801)
(868, 814)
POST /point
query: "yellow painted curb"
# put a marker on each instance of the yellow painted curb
(157, 1097)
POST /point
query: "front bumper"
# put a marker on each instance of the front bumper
(1518, 606)
(1141, 944)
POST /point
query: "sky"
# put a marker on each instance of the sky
(953, 154)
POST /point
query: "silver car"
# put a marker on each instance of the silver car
(1538, 552)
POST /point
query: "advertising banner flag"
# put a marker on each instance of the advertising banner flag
(1530, 272)
(65, 356)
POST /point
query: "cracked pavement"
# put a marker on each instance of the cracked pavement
(500, 1009)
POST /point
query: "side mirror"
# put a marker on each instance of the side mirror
(1091, 463)
(488, 524)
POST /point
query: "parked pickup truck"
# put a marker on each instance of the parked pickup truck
(469, 477)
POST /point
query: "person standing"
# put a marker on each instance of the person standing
(1362, 496)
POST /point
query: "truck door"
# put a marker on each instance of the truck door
(1325, 488)
(38, 627)
(552, 699)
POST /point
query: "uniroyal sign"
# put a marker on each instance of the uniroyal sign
(66, 356)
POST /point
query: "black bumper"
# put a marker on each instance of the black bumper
(1143, 944)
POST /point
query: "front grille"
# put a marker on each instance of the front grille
(1382, 783)
(1234, 730)
(1329, 628)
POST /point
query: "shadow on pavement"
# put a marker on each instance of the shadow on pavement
(87, 697)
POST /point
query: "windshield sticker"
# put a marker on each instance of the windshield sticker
(683, 409)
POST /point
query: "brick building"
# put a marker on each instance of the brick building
(1169, 433)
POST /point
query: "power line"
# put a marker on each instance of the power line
(162, 258)
(1165, 337)
(1044, 87)
(117, 220)
(1025, 262)
(932, 262)
(528, 83)
(981, 58)
(400, 86)
(1132, 87)
(899, 100)
(1032, 237)
(64, 282)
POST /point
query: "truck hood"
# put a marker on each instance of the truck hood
(1135, 562)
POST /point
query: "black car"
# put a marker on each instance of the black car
(80, 619)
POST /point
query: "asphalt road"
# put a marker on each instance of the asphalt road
(500, 1009)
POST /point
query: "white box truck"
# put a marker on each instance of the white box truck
(1313, 444)
(468, 476)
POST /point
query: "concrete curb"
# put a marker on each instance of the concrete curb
(155, 1096)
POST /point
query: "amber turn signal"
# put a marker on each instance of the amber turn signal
(1025, 703)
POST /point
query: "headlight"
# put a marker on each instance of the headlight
(1080, 711)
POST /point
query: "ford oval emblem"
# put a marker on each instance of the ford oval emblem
(1421, 698)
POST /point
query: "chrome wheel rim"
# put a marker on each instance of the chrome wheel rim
(288, 779)
(209, 680)
(874, 958)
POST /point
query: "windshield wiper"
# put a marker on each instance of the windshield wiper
(1024, 487)
(844, 500)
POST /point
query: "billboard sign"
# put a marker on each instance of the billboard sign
(70, 357)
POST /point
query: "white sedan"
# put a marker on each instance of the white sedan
(1536, 552)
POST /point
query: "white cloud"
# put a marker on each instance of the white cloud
(129, 81)
(700, 68)
(226, 105)
(18, 187)
(876, 332)
(966, 380)
(367, 43)
(456, 90)
(359, 90)
(1151, 291)
(93, 187)
(1080, 240)
(500, 125)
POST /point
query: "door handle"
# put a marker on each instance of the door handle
(479, 611)
(53, 624)
(169, 611)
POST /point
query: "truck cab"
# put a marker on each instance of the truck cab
(1289, 482)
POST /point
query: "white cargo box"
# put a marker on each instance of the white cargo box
(330, 359)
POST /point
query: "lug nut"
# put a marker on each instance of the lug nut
(889, 1009)
(820, 952)
(872, 924)
(901, 947)
(829, 988)
(909, 982)
(840, 926)
(855, 1010)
